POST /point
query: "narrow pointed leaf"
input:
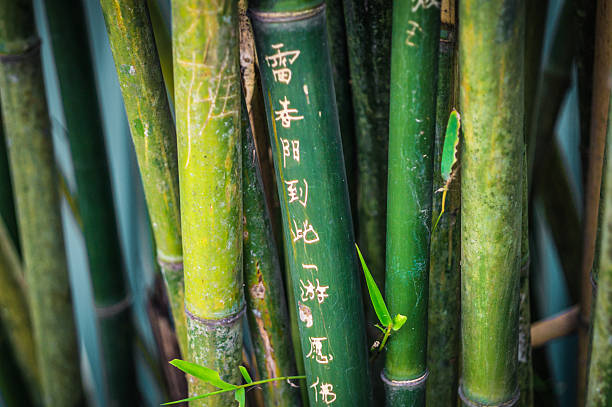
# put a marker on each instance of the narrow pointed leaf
(375, 296)
(202, 372)
(245, 374)
(240, 396)
(398, 321)
(451, 142)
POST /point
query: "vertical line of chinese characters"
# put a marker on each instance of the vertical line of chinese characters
(291, 42)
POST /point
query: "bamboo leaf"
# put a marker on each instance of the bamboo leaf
(375, 296)
(202, 372)
(451, 143)
(245, 374)
(240, 396)
(398, 321)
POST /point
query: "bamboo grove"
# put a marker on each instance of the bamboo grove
(344, 203)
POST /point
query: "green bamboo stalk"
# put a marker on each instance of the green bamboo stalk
(85, 134)
(368, 36)
(30, 149)
(163, 41)
(153, 133)
(491, 56)
(265, 294)
(412, 125)
(7, 205)
(599, 389)
(311, 180)
(443, 335)
(207, 94)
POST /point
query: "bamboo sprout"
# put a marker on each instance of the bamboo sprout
(153, 133)
(265, 294)
(293, 52)
(443, 336)
(30, 149)
(491, 54)
(94, 194)
(207, 95)
(412, 125)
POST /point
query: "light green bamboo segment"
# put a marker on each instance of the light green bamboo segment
(33, 171)
(14, 311)
(599, 391)
(491, 99)
(146, 104)
(207, 96)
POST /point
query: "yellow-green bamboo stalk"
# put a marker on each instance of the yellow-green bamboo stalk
(207, 97)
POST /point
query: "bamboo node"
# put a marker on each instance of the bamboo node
(170, 265)
(407, 384)
(472, 403)
(227, 321)
(114, 309)
(32, 50)
(285, 16)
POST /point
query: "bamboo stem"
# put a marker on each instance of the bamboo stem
(556, 326)
(207, 95)
(14, 389)
(85, 133)
(33, 171)
(265, 294)
(311, 180)
(412, 125)
(153, 133)
(490, 57)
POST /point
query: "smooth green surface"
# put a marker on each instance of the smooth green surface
(443, 330)
(599, 391)
(96, 208)
(265, 294)
(491, 57)
(33, 171)
(317, 227)
(207, 97)
(153, 134)
(283, 6)
(412, 125)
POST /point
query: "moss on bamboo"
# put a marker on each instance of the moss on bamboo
(34, 178)
(443, 336)
(265, 294)
(153, 134)
(490, 57)
(207, 95)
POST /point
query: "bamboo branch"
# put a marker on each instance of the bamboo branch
(556, 326)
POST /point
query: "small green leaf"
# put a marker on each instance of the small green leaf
(398, 321)
(451, 142)
(202, 372)
(245, 374)
(240, 396)
(375, 296)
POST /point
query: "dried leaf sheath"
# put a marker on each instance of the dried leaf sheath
(207, 96)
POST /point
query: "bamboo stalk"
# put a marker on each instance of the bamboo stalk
(599, 390)
(33, 171)
(554, 327)
(443, 335)
(491, 57)
(207, 94)
(265, 294)
(599, 117)
(7, 205)
(412, 125)
(163, 42)
(311, 180)
(14, 389)
(369, 52)
(153, 134)
(85, 134)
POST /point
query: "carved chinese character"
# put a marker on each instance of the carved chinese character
(326, 390)
(412, 32)
(278, 63)
(307, 233)
(424, 4)
(286, 114)
(292, 190)
(288, 148)
(316, 351)
(310, 291)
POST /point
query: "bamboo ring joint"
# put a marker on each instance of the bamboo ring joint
(471, 403)
(114, 309)
(170, 265)
(227, 321)
(285, 16)
(408, 384)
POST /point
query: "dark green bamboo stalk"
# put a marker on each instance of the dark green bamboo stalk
(146, 104)
(293, 52)
(7, 205)
(412, 125)
(443, 336)
(491, 45)
(30, 149)
(599, 390)
(265, 294)
(163, 41)
(207, 95)
(368, 36)
(85, 133)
